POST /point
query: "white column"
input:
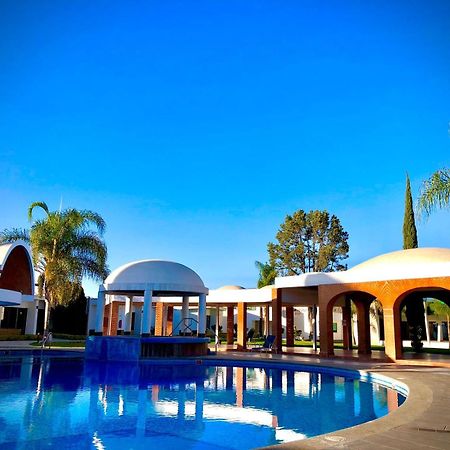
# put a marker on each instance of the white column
(32, 313)
(266, 320)
(184, 314)
(108, 331)
(92, 314)
(201, 315)
(217, 325)
(100, 313)
(314, 330)
(128, 303)
(147, 313)
(137, 319)
(439, 331)
(427, 325)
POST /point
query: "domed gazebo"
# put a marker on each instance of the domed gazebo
(151, 279)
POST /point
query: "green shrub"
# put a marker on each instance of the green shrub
(69, 337)
(18, 337)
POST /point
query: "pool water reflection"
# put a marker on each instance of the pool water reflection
(70, 403)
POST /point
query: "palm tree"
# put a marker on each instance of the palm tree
(267, 274)
(435, 192)
(66, 246)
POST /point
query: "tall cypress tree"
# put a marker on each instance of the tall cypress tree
(409, 224)
(415, 307)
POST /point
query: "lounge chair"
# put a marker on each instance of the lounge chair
(267, 345)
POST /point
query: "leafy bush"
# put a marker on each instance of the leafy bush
(18, 337)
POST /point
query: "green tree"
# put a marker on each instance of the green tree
(435, 192)
(66, 246)
(309, 242)
(409, 224)
(267, 274)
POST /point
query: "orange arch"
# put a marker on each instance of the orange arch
(17, 273)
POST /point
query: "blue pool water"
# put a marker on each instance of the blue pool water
(68, 403)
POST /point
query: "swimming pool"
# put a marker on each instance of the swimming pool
(51, 402)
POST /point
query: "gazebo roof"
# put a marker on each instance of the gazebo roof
(162, 277)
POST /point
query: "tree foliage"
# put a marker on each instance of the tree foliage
(435, 192)
(309, 242)
(66, 246)
(267, 274)
(439, 308)
(409, 224)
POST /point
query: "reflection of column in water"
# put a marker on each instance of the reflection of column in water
(277, 380)
(93, 414)
(199, 398)
(314, 384)
(327, 397)
(26, 370)
(155, 393)
(181, 401)
(102, 395)
(241, 374)
(229, 379)
(266, 379)
(290, 382)
(392, 399)
(366, 396)
(349, 398)
(142, 412)
(216, 378)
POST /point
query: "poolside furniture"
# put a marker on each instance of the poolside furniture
(267, 345)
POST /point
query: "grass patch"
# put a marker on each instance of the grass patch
(431, 351)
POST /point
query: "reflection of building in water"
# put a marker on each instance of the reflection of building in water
(84, 400)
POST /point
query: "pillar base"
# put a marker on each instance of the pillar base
(91, 333)
(364, 352)
(145, 335)
(201, 335)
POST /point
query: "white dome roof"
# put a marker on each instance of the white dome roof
(400, 265)
(411, 258)
(230, 287)
(157, 275)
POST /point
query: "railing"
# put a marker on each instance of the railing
(187, 326)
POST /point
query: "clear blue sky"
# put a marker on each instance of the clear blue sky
(194, 127)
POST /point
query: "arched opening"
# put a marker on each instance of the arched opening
(424, 318)
(17, 272)
(361, 316)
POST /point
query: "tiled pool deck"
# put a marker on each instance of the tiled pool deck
(423, 421)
